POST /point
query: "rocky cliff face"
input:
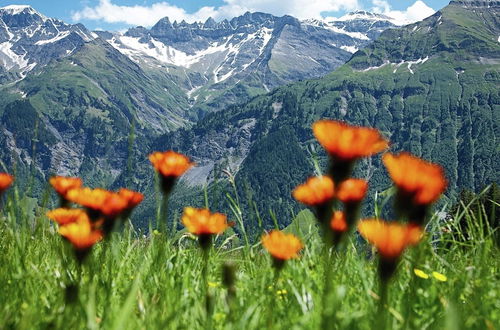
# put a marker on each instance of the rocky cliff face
(254, 53)
(29, 39)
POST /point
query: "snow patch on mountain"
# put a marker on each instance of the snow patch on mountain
(9, 58)
(59, 36)
(28, 39)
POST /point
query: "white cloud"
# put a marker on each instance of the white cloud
(416, 12)
(148, 15)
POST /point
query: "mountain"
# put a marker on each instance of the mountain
(29, 39)
(75, 102)
(431, 87)
(226, 62)
(70, 103)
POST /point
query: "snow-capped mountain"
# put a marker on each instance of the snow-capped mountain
(361, 26)
(28, 39)
(256, 50)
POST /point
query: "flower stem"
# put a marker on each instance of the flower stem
(381, 311)
(204, 276)
(327, 276)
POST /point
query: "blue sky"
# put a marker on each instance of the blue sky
(121, 14)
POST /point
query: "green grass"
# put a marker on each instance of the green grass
(144, 282)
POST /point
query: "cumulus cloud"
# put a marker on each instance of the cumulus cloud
(416, 12)
(109, 12)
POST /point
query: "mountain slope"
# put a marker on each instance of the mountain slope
(229, 61)
(81, 111)
(431, 87)
(28, 40)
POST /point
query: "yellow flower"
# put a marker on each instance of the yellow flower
(420, 273)
(440, 277)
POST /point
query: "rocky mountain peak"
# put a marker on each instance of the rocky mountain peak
(476, 3)
(17, 16)
(364, 15)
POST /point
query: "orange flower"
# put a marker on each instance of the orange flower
(338, 222)
(352, 190)
(345, 142)
(106, 202)
(80, 234)
(88, 197)
(114, 205)
(422, 180)
(202, 222)
(5, 181)
(170, 163)
(62, 184)
(282, 246)
(65, 216)
(316, 191)
(390, 238)
(133, 198)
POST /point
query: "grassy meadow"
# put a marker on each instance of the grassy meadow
(136, 281)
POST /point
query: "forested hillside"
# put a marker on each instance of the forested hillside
(431, 87)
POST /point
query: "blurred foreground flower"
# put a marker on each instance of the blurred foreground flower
(204, 224)
(346, 143)
(351, 192)
(419, 183)
(317, 192)
(62, 185)
(64, 216)
(100, 202)
(390, 239)
(5, 181)
(132, 198)
(171, 165)
(338, 222)
(281, 246)
(105, 205)
(81, 235)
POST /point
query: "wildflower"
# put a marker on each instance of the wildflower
(171, 165)
(81, 235)
(204, 224)
(99, 202)
(351, 192)
(440, 277)
(390, 239)
(63, 184)
(64, 216)
(281, 246)
(5, 181)
(345, 143)
(131, 197)
(420, 273)
(338, 223)
(419, 183)
(317, 192)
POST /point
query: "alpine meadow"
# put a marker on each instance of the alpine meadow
(258, 171)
